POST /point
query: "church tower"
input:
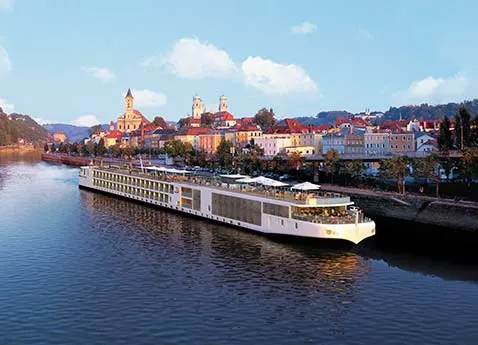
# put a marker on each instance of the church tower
(128, 102)
(198, 107)
(223, 103)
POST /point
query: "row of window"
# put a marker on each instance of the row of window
(153, 195)
(134, 181)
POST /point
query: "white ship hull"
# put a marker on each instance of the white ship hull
(267, 224)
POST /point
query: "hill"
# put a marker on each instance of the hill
(429, 112)
(407, 112)
(16, 126)
(73, 133)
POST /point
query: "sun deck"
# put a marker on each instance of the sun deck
(299, 199)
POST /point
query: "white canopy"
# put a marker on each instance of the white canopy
(171, 170)
(305, 186)
(264, 181)
(236, 176)
(274, 183)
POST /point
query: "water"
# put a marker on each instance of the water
(78, 267)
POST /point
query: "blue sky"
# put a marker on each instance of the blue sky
(72, 61)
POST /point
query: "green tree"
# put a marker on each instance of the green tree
(184, 122)
(397, 168)
(207, 120)
(174, 148)
(352, 170)
(90, 146)
(101, 150)
(462, 128)
(469, 164)
(331, 163)
(61, 148)
(160, 122)
(45, 148)
(265, 118)
(223, 153)
(426, 168)
(445, 138)
(93, 129)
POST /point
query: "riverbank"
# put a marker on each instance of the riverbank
(448, 213)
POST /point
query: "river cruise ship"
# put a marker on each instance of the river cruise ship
(257, 204)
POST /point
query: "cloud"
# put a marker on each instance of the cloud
(192, 59)
(41, 121)
(363, 35)
(274, 78)
(86, 121)
(7, 5)
(101, 73)
(434, 90)
(7, 107)
(304, 28)
(148, 98)
(5, 62)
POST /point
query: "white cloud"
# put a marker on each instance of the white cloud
(148, 98)
(363, 35)
(41, 121)
(7, 107)
(434, 90)
(5, 62)
(274, 78)
(192, 59)
(7, 5)
(101, 73)
(86, 121)
(304, 28)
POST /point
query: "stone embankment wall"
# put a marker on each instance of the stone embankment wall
(460, 215)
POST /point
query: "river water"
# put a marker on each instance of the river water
(77, 267)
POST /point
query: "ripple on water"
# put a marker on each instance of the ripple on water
(78, 267)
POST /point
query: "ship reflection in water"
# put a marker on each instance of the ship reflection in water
(79, 267)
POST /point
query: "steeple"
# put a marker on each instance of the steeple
(129, 94)
(128, 100)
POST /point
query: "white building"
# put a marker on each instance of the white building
(272, 144)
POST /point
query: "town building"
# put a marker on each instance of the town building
(131, 119)
(113, 136)
(191, 136)
(209, 142)
(376, 143)
(402, 143)
(425, 143)
(333, 141)
(353, 143)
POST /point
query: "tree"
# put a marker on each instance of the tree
(462, 128)
(45, 148)
(207, 120)
(445, 138)
(352, 169)
(265, 118)
(174, 148)
(223, 153)
(61, 148)
(160, 122)
(100, 149)
(426, 168)
(397, 168)
(331, 163)
(184, 122)
(469, 164)
(90, 146)
(93, 129)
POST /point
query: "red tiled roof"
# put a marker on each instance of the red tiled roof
(341, 120)
(288, 126)
(194, 131)
(114, 134)
(223, 115)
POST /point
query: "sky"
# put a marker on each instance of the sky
(65, 61)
